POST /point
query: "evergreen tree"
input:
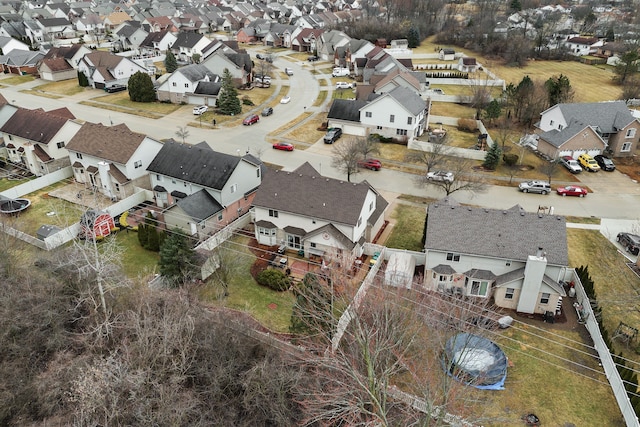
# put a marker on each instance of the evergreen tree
(312, 309)
(153, 237)
(515, 5)
(228, 100)
(82, 79)
(141, 88)
(177, 259)
(492, 158)
(610, 35)
(492, 111)
(413, 37)
(142, 235)
(559, 89)
(170, 62)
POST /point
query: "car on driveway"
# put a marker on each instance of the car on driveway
(115, 88)
(332, 135)
(312, 58)
(267, 112)
(285, 99)
(572, 190)
(373, 164)
(631, 242)
(440, 176)
(285, 146)
(344, 85)
(288, 71)
(571, 164)
(260, 56)
(588, 163)
(541, 187)
(605, 163)
(200, 109)
(251, 119)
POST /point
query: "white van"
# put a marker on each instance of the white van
(340, 72)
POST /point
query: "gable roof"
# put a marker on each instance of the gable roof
(557, 137)
(200, 205)
(407, 98)
(346, 109)
(187, 40)
(154, 37)
(34, 125)
(510, 234)
(112, 143)
(307, 193)
(608, 117)
(197, 72)
(197, 164)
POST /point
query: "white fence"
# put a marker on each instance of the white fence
(38, 183)
(217, 239)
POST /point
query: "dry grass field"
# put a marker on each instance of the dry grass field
(64, 87)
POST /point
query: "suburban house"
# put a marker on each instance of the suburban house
(129, 35)
(61, 63)
(329, 41)
(188, 44)
(516, 257)
(56, 28)
(305, 39)
(400, 113)
(582, 46)
(7, 44)
(112, 159)
(104, 69)
(593, 128)
(157, 42)
(193, 84)
(321, 216)
(37, 139)
(202, 190)
(20, 62)
(239, 65)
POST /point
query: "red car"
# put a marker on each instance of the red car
(249, 120)
(373, 164)
(283, 146)
(572, 190)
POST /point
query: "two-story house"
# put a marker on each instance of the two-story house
(187, 44)
(202, 190)
(37, 139)
(129, 35)
(104, 69)
(593, 128)
(112, 159)
(239, 65)
(321, 216)
(582, 46)
(157, 42)
(182, 86)
(61, 63)
(513, 256)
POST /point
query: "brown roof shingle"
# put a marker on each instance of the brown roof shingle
(112, 143)
(34, 125)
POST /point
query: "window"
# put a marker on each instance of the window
(359, 221)
(117, 187)
(159, 177)
(60, 144)
(559, 127)
(174, 84)
(258, 172)
(10, 137)
(186, 85)
(631, 133)
(392, 118)
(444, 278)
(293, 241)
(312, 244)
(626, 146)
(234, 188)
(79, 155)
(434, 275)
(137, 164)
(508, 294)
(551, 123)
(544, 299)
(368, 114)
(219, 217)
(479, 288)
(453, 257)
(508, 263)
(379, 127)
(266, 231)
(273, 213)
(401, 131)
(370, 206)
(173, 181)
(409, 120)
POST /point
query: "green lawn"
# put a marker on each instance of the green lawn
(64, 87)
(408, 229)
(138, 263)
(16, 80)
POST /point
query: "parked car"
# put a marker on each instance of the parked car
(344, 85)
(200, 109)
(332, 135)
(541, 187)
(251, 119)
(115, 88)
(571, 164)
(262, 78)
(438, 91)
(267, 111)
(440, 176)
(588, 163)
(260, 56)
(312, 58)
(605, 163)
(285, 99)
(288, 71)
(373, 164)
(285, 146)
(340, 72)
(631, 242)
(572, 190)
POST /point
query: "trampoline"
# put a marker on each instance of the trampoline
(14, 206)
(475, 361)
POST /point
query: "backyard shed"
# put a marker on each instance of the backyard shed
(400, 269)
(46, 230)
(96, 223)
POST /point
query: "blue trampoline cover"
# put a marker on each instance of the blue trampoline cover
(475, 361)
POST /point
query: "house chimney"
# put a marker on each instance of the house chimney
(540, 253)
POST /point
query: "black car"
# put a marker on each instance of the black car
(605, 163)
(332, 135)
(630, 242)
(312, 58)
(267, 111)
(115, 88)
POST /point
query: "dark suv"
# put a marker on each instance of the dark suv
(332, 135)
(605, 163)
(631, 242)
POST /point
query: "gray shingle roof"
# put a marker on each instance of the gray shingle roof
(196, 164)
(208, 88)
(197, 72)
(187, 40)
(409, 99)
(345, 109)
(511, 234)
(609, 116)
(558, 137)
(200, 206)
(305, 192)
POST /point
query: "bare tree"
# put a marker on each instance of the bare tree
(463, 177)
(434, 154)
(183, 132)
(367, 146)
(227, 267)
(480, 91)
(346, 155)
(550, 168)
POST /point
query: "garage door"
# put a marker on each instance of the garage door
(578, 152)
(354, 130)
(594, 152)
(565, 153)
(98, 85)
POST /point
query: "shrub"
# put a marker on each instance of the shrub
(274, 279)
(467, 125)
(510, 159)
(247, 101)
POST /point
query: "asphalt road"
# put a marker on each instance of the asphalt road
(621, 200)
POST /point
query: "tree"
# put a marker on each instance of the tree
(627, 65)
(195, 58)
(228, 101)
(492, 111)
(367, 146)
(313, 296)
(492, 158)
(559, 90)
(141, 88)
(413, 37)
(435, 153)
(177, 259)
(170, 62)
(83, 81)
(346, 155)
(480, 92)
(182, 133)
(463, 177)
(515, 5)
(549, 168)
(226, 267)
(630, 88)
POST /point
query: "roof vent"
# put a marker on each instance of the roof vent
(486, 210)
(504, 212)
(324, 204)
(521, 213)
(276, 194)
(204, 166)
(539, 215)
